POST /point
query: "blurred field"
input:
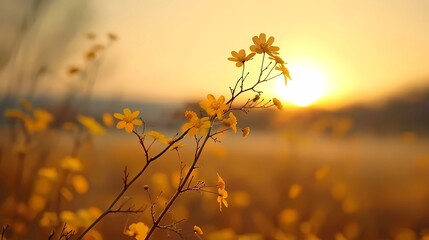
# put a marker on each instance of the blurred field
(281, 185)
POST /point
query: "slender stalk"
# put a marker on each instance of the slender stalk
(180, 188)
(118, 197)
(127, 186)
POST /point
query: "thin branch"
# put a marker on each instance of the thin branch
(3, 231)
(181, 187)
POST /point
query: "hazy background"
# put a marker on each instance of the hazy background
(357, 149)
(177, 50)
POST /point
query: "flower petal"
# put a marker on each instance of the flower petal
(211, 98)
(262, 38)
(270, 41)
(255, 40)
(242, 53)
(137, 122)
(127, 111)
(129, 127)
(121, 124)
(135, 114)
(118, 116)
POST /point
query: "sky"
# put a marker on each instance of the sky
(338, 52)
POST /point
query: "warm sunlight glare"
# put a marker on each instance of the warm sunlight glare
(306, 87)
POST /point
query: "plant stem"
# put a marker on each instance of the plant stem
(127, 186)
(180, 188)
(109, 208)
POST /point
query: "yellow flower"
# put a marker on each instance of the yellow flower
(285, 72)
(278, 60)
(245, 131)
(128, 120)
(176, 146)
(49, 173)
(157, 136)
(213, 106)
(108, 119)
(138, 230)
(196, 124)
(49, 219)
(277, 103)
(198, 230)
(223, 194)
(91, 124)
(240, 57)
(262, 45)
(231, 122)
(256, 98)
(39, 122)
(72, 164)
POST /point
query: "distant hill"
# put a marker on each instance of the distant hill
(408, 112)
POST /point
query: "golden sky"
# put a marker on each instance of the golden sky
(352, 51)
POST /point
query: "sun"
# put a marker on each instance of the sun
(305, 88)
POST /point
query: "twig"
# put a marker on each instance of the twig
(3, 231)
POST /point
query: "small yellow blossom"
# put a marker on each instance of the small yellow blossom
(37, 202)
(157, 136)
(48, 173)
(278, 60)
(176, 146)
(80, 184)
(49, 219)
(198, 230)
(91, 124)
(223, 194)
(261, 45)
(277, 103)
(256, 98)
(39, 122)
(240, 57)
(72, 164)
(128, 120)
(70, 218)
(285, 72)
(213, 106)
(108, 119)
(245, 131)
(190, 114)
(196, 124)
(138, 230)
(231, 122)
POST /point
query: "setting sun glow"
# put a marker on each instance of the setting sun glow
(305, 88)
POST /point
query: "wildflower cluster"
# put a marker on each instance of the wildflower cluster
(41, 189)
(59, 183)
(217, 117)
